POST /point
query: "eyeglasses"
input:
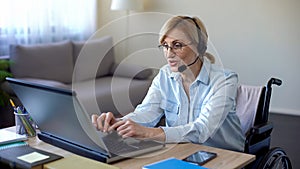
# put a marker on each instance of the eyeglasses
(176, 46)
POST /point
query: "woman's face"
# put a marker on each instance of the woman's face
(178, 49)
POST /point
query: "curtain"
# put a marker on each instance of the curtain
(44, 21)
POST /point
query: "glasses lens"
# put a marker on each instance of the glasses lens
(166, 47)
(177, 46)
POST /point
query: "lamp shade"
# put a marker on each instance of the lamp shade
(127, 5)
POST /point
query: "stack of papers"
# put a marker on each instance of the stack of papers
(10, 137)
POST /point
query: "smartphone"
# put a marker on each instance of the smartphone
(201, 157)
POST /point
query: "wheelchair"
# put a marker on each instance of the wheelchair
(253, 110)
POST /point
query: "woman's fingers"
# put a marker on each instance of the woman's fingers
(100, 121)
(106, 122)
(103, 121)
(116, 125)
(94, 120)
(97, 121)
(109, 120)
(130, 129)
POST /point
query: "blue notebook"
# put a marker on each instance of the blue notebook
(173, 163)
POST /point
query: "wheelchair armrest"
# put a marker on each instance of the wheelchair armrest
(262, 128)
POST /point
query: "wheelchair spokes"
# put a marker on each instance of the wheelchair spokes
(275, 159)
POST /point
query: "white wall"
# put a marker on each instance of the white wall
(258, 39)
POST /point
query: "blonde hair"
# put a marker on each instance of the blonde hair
(194, 29)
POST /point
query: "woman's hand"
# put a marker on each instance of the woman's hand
(128, 128)
(104, 121)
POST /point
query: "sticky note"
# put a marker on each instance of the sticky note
(33, 157)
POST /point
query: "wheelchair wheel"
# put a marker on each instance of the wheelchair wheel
(275, 158)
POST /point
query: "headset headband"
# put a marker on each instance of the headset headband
(193, 19)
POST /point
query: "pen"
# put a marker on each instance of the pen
(12, 103)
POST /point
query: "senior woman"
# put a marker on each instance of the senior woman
(196, 96)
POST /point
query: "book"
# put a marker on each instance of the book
(9, 137)
(172, 163)
(26, 157)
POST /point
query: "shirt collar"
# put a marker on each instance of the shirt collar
(175, 75)
(203, 76)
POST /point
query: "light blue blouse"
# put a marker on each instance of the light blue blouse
(208, 117)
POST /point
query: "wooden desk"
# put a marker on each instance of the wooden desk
(225, 160)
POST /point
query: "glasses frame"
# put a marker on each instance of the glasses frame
(166, 47)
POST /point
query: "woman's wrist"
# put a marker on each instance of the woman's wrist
(157, 134)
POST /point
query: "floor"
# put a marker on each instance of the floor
(287, 136)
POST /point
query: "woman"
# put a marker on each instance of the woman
(196, 96)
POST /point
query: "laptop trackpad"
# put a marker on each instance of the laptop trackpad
(114, 137)
(131, 141)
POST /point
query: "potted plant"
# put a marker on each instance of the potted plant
(4, 66)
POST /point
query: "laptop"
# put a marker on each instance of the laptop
(63, 122)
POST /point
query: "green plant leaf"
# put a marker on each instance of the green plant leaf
(4, 64)
(4, 74)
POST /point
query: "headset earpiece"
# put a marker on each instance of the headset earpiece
(201, 44)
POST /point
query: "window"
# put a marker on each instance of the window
(44, 21)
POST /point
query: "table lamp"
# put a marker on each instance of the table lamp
(127, 5)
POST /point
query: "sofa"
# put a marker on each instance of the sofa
(86, 67)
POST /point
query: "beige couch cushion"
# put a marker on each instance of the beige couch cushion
(93, 58)
(53, 61)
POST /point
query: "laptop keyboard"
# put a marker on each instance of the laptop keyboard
(118, 145)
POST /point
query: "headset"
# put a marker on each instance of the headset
(201, 44)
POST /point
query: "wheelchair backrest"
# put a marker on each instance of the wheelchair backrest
(247, 101)
(252, 104)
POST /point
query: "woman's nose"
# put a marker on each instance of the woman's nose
(170, 53)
